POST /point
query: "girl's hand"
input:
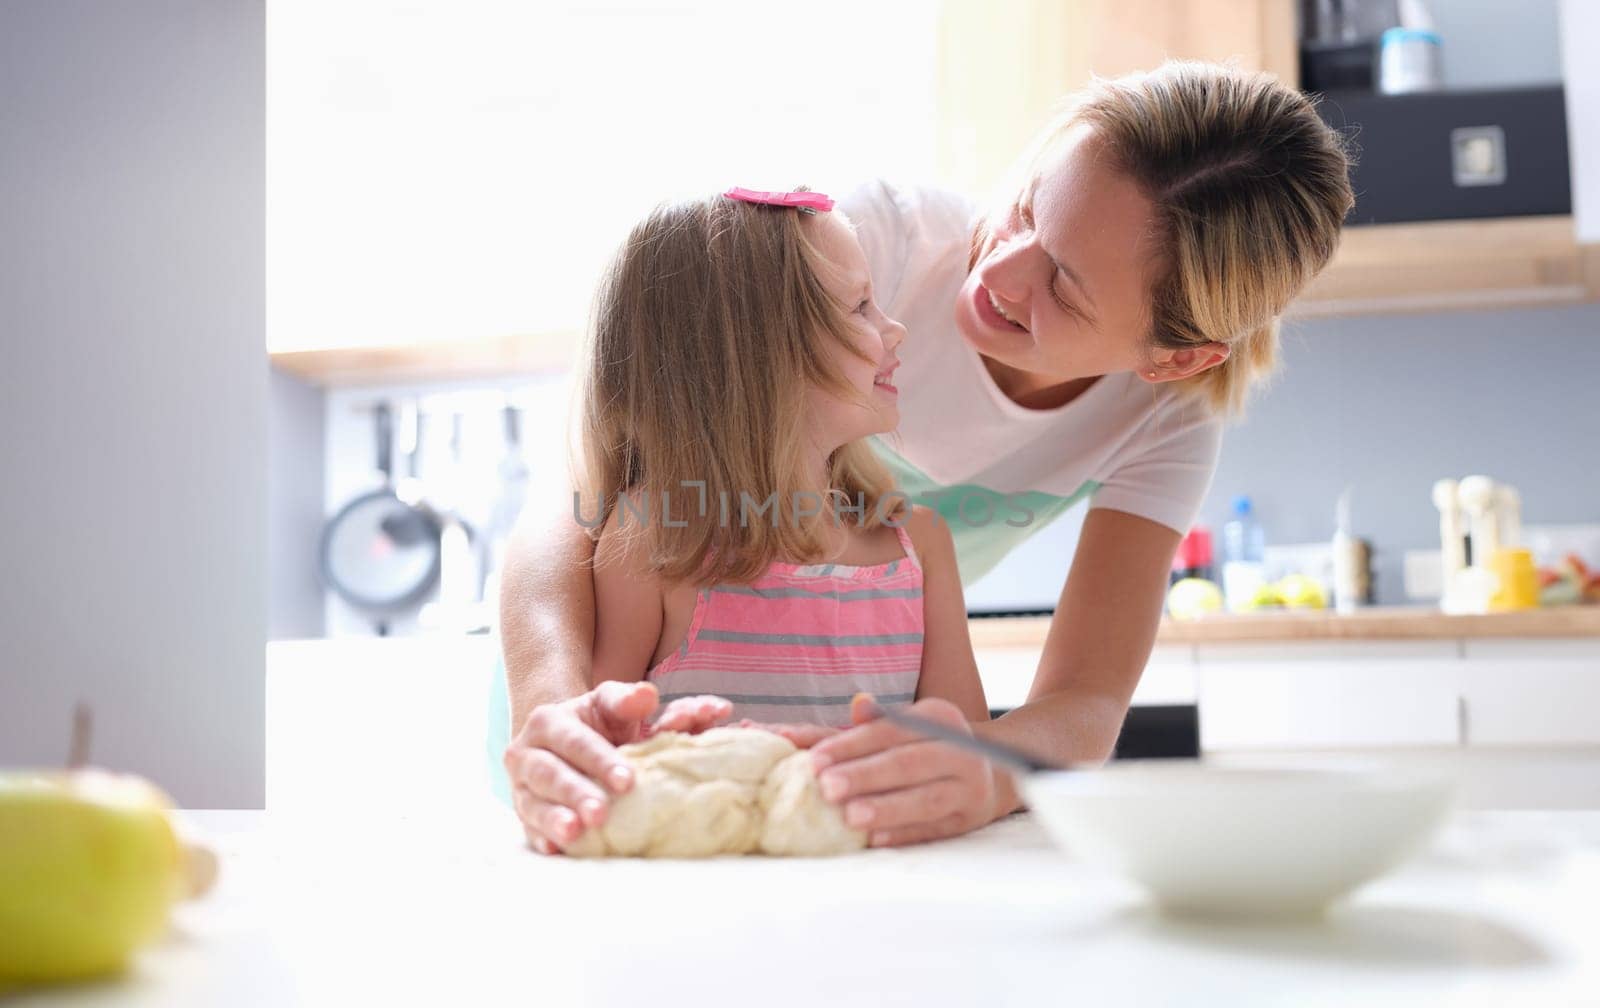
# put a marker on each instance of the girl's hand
(901, 787)
(692, 715)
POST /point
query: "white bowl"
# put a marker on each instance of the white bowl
(1242, 840)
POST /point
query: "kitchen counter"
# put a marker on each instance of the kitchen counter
(1287, 625)
(410, 910)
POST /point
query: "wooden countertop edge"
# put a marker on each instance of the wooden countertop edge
(1370, 624)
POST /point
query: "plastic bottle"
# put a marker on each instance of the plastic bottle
(1193, 559)
(1409, 55)
(1244, 573)
(1349, 581)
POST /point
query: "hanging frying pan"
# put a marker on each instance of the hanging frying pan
(379, 553)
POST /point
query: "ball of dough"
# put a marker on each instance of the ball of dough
(797, 820)
(724, 791)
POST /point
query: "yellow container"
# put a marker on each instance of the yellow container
(1519, 580)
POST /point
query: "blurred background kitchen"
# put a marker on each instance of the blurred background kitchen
(442, 183)
(416, 237)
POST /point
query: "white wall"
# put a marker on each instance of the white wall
(294, 518)
(1499, 43)
(133, 395)
(1580, 38)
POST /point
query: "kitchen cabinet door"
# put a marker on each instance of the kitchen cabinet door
(1336, 695)
(1007, 674)
(1542, 693)
(990, 106)
(1169, 678)
(324, 699)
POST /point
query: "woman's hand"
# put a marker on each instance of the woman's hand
(900, 786)
(564, 765)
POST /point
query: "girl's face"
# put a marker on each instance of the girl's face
(873, 406)
(1062, 290)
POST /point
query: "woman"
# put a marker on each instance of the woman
(1085, 340)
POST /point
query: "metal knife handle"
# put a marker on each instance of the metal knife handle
(995, 752)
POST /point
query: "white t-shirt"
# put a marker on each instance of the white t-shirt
(997, 471)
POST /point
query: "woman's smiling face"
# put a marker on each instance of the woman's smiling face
(1061, 290)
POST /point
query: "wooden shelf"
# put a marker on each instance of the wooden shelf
(418, 362)
(1449, 265)
(1370, 624)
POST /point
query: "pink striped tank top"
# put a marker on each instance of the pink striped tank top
(798, 642)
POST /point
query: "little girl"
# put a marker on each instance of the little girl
(751, 544)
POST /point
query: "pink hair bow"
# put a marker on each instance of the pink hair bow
(809, 202)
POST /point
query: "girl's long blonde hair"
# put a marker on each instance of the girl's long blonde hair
(708, 330)
(1250, 189)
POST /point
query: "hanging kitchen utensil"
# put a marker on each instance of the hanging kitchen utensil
(457, 605)
(379, 553)
(512, 491)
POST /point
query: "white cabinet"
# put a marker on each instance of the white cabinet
(1328, 695)
(1308, 695)
(1531, 693)
(374, 725)
(1517, 719)
(1007, 673)
(1170, 677)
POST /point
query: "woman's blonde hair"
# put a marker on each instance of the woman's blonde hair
(708, 330)
(1250, 189)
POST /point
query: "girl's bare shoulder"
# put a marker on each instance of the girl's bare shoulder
(624, 547)
(929, 533)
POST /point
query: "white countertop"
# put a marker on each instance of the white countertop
(1501, 910)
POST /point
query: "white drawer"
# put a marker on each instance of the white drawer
(1531, 702)
(1576, 649)
(1296, 652)
(1007, 675)
(1167, 682)
(1328, 703)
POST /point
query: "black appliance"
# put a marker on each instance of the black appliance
(1446, 155)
